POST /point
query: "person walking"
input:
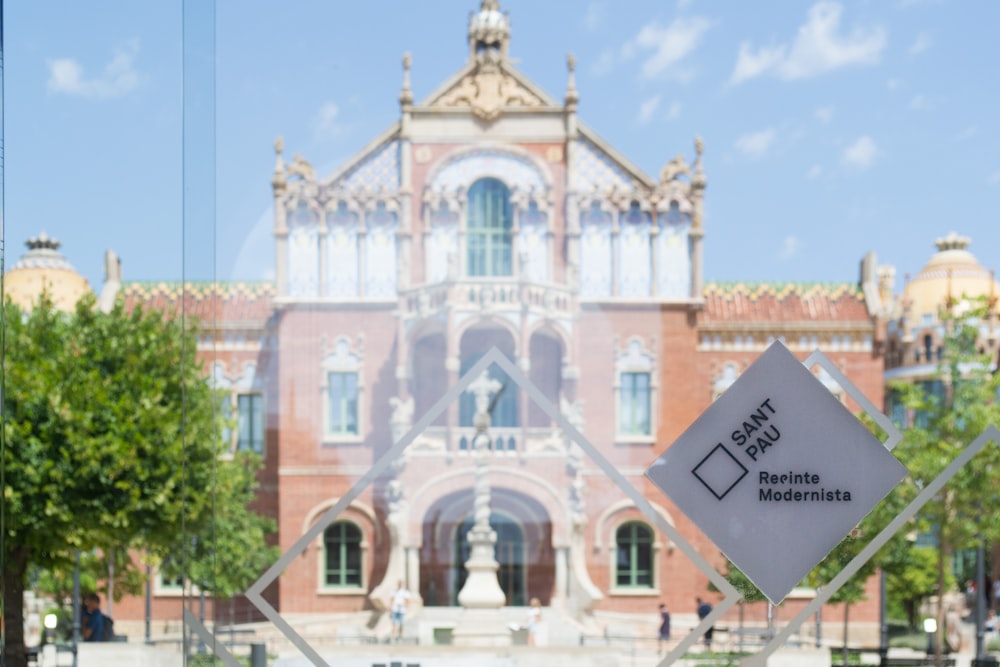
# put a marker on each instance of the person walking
(704, 609)
(664, 628)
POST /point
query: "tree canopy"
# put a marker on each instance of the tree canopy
(946, 411)
(112, 443)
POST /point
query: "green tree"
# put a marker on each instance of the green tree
(230, 551)
(948, 411)
(853, 590)
(748, 592)
(110, 444)
(911, 577)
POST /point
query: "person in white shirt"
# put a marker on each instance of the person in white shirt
(534, 618)
(400, 601)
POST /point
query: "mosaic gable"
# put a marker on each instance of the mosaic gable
(595, 170)
(377, 171)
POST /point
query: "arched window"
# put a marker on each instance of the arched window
(303, 252)
(342, 551)
(673, 253)
(634, 253)
(343, 390)
(342, 252)
(488, 229)
(635, 387)
(634, 557)
(380, 253)
(596, 275)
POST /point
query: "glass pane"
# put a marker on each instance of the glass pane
(334, 240)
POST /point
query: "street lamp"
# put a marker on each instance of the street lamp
(930, 627)
(50, 621)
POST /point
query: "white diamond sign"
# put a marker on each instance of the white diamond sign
(776, 472)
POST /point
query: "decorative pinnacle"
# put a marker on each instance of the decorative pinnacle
(43, 242)
(698, 178)
(406, 95)
(952, 242)
(572, 96)
(278, 181)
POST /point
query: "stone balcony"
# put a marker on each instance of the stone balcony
(500, 296)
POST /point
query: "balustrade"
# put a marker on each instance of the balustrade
(487, 294)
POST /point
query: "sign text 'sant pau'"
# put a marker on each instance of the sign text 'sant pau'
(758, 430)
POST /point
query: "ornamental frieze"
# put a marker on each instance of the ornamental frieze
(488, 92)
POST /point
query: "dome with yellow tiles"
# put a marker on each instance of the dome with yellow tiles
(953, 272)
(43, 268)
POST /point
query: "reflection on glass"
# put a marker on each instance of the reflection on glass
(486, 215)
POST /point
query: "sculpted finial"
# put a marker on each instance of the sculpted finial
(699, 173)
(302, 168)
(278, 182)
(406, 96)
(674, 168)
(572, 97)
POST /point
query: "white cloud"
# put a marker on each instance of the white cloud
(648, 108)
(750, 65)
(325, 123)
(674, 110)
(604, 64)
(824, 115)
(994, 178)
(862, 153)
(593, 17)
(67, 76)
(893, 84)
(967, 133)
(819, 47)
(921, 43)
(789, 248)
(919, 103)
(670, 45)
(814, 172)
(756, 144)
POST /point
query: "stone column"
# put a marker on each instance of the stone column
(562, 573)
(404, 232)
(413, 570)
(324, 267)
(654, 233)
(279, 183)
(697, 232)
(481, 595)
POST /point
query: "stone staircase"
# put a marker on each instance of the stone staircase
(433, 625)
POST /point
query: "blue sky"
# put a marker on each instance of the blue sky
(830, 128)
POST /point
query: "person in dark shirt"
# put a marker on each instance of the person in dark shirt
(92, 618)
(664, 628)
(704, 609)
